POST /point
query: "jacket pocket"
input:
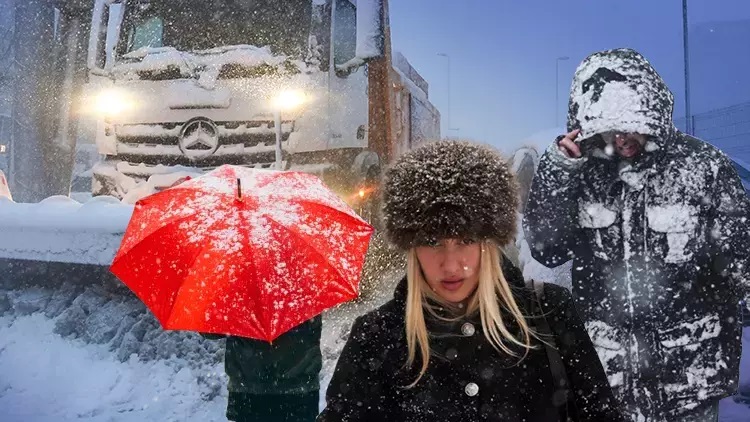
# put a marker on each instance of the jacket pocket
(678, 224)
(596, 220)
(693, 361)
(606, 340)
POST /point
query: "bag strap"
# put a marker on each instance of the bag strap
(561, 396)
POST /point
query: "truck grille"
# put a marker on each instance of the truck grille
(160, 143)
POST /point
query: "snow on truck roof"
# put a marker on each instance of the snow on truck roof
(401, 63)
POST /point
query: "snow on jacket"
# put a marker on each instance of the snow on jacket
(660, 244)
(467, 380)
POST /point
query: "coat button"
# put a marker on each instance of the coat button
(468, 329)
(471, 389)
(451, 353)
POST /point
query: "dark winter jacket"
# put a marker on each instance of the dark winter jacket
(467, 380)
(289, 365)
(660, 245)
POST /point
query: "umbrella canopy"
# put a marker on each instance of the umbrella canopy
(245, 252)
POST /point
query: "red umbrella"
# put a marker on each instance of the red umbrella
(245, 252)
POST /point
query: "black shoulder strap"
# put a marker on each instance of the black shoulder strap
(562, 390)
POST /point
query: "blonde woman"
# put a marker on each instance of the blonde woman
(458, 341)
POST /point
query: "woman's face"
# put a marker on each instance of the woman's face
(451, 268)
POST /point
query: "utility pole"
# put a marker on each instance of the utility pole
(688, 114)
(448, 111)
(557, 88)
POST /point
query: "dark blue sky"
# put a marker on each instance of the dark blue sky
(503, 54)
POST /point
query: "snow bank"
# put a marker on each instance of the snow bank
(47, 378)
(96, 354)
(60, 213)
(62, 230)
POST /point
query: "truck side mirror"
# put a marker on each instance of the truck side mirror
(370, 29)
(101, 40)
(359, 35)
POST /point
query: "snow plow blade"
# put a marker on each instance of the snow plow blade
(60, 237)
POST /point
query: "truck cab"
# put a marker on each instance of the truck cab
(183, 87)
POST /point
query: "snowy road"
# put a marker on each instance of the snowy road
(46, 378)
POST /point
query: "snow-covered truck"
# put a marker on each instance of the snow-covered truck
(308, 85)
(184, 86)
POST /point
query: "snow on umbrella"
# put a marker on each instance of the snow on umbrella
(240, 251)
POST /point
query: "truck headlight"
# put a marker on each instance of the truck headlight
(111, 102)
(289, 100)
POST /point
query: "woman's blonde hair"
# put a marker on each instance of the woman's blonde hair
(492, 286)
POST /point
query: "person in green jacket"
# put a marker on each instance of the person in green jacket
(276, 382)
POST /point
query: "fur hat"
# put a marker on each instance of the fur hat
(449, 189)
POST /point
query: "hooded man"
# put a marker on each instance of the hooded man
(656, 223)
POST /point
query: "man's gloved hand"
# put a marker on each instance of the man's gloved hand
(568, 145)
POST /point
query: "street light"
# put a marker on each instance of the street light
(557, 87)
(447, 57)
(688, 123)
(284, 101)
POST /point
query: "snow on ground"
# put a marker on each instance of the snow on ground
(46, 378)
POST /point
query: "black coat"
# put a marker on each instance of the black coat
(660, 245)
(289, 365)
(467, 380)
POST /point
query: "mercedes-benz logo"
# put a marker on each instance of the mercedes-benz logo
(199, 138)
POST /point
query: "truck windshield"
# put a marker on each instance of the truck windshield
(203, 24)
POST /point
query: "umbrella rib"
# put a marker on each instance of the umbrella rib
(165, 226)
(206, 246)
(182, 285)
(251, 253)
(173, 220)
(326, 206)
(297, 234)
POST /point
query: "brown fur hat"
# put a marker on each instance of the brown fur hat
(449, 189)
